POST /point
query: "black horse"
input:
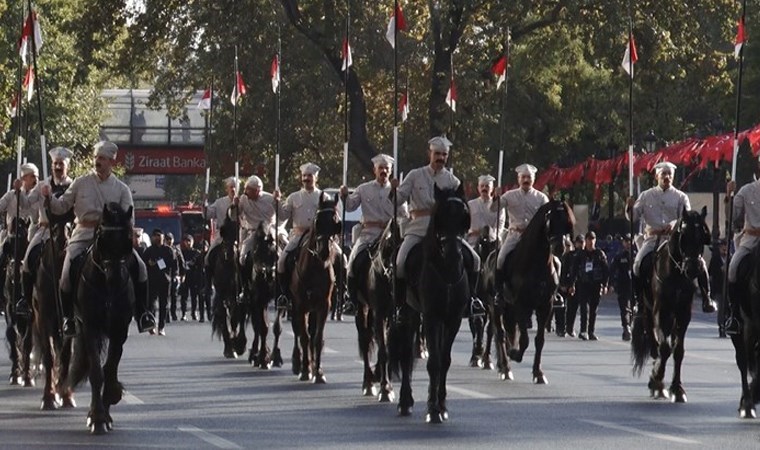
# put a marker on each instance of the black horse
(312, 286)
(481, 322)
(532, 278)
(373, 270)
(105, 299)
(55, 349)
(229, 318)
(439, 288)
(660, 327)
(263, 267)
(18, 330)
(747, 344)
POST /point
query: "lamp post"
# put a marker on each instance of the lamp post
(650, 142)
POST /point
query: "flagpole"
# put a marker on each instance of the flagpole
(38, 89)
(20, 102)
(395, 136)
(338, 311)
(730, 215)
(278, 106)
(452, 89)
(630, 136)
(502, 143)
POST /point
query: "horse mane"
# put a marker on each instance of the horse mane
(533, 233)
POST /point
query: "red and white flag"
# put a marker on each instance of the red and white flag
(403, 106)
(499, 70)
(740, 38)
(31, 25)
(274, 72)
(239, 90)
(14, 106)
(451, 96)
(630, 57)
(205, 103)
(28, 83)
(346, 55)
(397, 22)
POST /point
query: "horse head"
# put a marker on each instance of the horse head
(19, 228)
(326, 225)
(113, 240)
(485, 244)
(559, 223)
(229, 230)
(450, 221)
(688, 240)
(264, 252)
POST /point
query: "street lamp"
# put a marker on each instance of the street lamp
(650, 142)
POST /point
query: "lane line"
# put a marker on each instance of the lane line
(469, 393)
(130, 399)
(661, 436)
(209, 438)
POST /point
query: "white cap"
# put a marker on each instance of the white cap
(383, 160)
(106, 149)
(28, 168)
(665, 165)
(440, 143)
(60, 154)
(230, 181)
(309, 169)
(254, 182)
(486, 179)
(527, 169)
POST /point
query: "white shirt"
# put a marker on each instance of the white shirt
(747, 205)
(374, 198)
(522, 205)
(417, 189)
(300, 207)
(8, 206)
(218, 211)
(35, 198)
(658, 207)
(255, 212)
(481, 216)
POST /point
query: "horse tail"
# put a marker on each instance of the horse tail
(641, 342)
(400, 344)
(219, 321)
(79, 365)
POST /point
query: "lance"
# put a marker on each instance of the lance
(395, 136)
(453, 93)
(338, 311)
(730, 215)
(278, 108)
(630, 135)
(503, 140)
(38, 89)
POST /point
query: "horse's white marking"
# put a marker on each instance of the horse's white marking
(130, 399)
(325, 349)
(469, 393)
(212, 439)
(649, 434)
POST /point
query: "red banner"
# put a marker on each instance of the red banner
(159, 161)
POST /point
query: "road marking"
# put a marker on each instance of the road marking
(469, 393)
(661, 436)
(131, 399)
(212, 439)
(325, 349)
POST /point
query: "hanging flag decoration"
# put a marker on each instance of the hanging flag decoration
(239, 90)
(205, 103)
(346, 55)
(451, 96)
(741, 37)
(275, 74)
(630, 57)
(31, 25)
(403, 106)
(397, 22)
(499, 70)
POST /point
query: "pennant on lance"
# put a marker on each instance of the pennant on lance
(631, 56)
(346, 55)
(740, 38)
(205, 103)
(499, 70)
(397, 22)
(451, 96)
(31, 25)
(239, 90)
(274, 73)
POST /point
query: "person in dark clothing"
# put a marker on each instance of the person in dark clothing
(568, 280)
(193, 281)
(562, 290)
(620, 279)
(169, 242)
(591, 278)
(717, 275)
(162, 267)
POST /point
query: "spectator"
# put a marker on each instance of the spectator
(591, 278)
(567, 278)
(620, 274)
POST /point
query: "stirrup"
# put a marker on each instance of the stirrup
(558, 302)
(283, 302)
(732, 327)
(147, 322)
(477, 308)
(69, 327)
(22, 308)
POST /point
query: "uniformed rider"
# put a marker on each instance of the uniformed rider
(418, 189)
(218, 211)
(255, 207)
(59, 181)
(88, 194)
(660, 208)
(377, 209)
(747, 219)
(481, 213)
(521, 205)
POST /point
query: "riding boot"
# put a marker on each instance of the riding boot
(708, 304)
(352, 288)
(733, 324)
(638, 296)
(143, 315)
(69, 322)
(400, 295)
(22, 307)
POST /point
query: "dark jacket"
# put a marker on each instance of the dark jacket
(193, 265)
(620, 271)
(591, 267)
(161, 264)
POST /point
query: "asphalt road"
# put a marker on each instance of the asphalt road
(183, 394)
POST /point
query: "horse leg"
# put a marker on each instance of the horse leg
(264, 356)
(489, 327)
(434, 333)
(97, 416)
(521, 319)
(501, 343)
(676, 387)
(298, 328)
(746, 403)
(26, 354)
(306, 338)
(656, 384)
(404, 337)
(381, 337)
(318, 343)
(450, 333)
(477, 325)
(253, 357)
(50, 400)
(276, 354)
(64, 389)
(364, 332)
(543, 317)
(12, 337)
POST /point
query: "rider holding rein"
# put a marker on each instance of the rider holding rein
(482, 212)
(218, 210)
(256, 208)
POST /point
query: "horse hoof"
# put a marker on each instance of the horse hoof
(305, 376)
(98, 429)
(474, 361)
(320, 379)
(515, 356)
(369, 391)
(265, 365)
(445, 415)
(49, 404)
(487, 365)
(507, 376)
(14, 380)
(386, 397)
(540, 380)
(68, 402)
(679, 398)
(29, 382)
(748, 413)
(404, 411)
(434, 418)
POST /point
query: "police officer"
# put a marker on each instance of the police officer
(256, 208)
(218, 211)
(377, 209)
(620, 270)
(660, 208)
(418, 189)
(591, 278)
(193, 282)
(482, 214)
(747, 218)
(521, 205)
(87, 195)
(162, 268)
(179, 273)
(568, 277)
